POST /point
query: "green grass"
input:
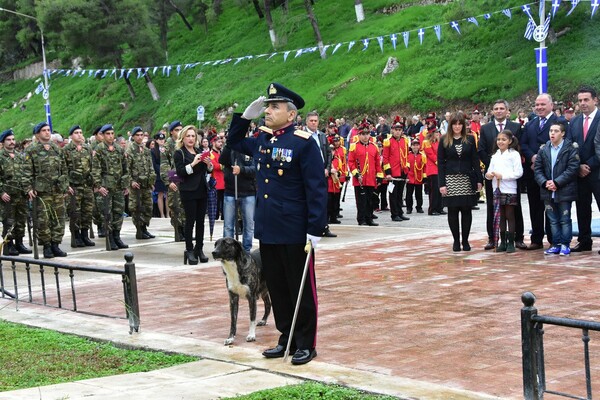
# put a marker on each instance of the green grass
(35, 357)
(310, 391)
(479, 66)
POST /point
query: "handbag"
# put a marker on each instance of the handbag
(173, 177)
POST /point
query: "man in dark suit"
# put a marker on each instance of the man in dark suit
(487, 140)
(291, 209)
(583, 130)
(535, 134)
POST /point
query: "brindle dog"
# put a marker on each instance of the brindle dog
(243, 273)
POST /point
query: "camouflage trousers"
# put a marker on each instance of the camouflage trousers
(176, 209)
(50, 217)
(140, 205)
(80, 207)
(115, 202)
(14, 215)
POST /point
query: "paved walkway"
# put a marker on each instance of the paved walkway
(399, 314)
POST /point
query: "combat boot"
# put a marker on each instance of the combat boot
(181, 234)
(86, 239)
(139, 232)
(118, 241)
(21, 247)
(57, 251)
(76, 239)
(48, 251)
(9, 249)
(100, 231)
(111, 242)
(146, 233)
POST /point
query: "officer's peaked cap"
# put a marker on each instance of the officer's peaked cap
(279, 93)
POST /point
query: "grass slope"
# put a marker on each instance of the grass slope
(485, 63)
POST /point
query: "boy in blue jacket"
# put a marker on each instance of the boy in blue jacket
(556, 168)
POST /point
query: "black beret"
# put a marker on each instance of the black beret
(279, 93)
(73, 129)
(38, 127)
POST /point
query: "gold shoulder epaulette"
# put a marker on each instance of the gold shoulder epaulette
(352, 147)
(265, 129)
(302, 134)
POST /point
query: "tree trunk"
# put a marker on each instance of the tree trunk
(360, 12)
(152, 88)
(181, 14)
(269, 19)
(126, 79)
(202, 8)
(218, 7)
(315, 25)
(258, 9)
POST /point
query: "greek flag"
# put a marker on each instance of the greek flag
(473, 20)
(421, 34)
(380, 41)
(487, 16)
(365, 43)
(530, 28)
(595, 4)
(394, 39)
(406, 35)
(555, 7)
(455, 26)
(527, 10)
(351, 44)
(542, 69)
(337, 46)
(39, 89)
(438, 32)
(547, 24)
(574, 4)
(507, 12)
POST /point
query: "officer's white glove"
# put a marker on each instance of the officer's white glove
(255, 109)
(313, 241)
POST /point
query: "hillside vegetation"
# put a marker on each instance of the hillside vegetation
(484, 63)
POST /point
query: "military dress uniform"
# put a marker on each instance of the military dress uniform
(45, 172)
(395, 163)
(291, 202)
(14, 212)
(364, 161)
(81, 203)
(110, 171)
(140, 168)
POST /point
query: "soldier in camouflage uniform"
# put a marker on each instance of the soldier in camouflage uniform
(141, 171)
(111, 181)
(166, 165)
(97, 213)
(78, 156)
(14, 202)
(46, 182)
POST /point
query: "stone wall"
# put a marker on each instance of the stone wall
(33, 70)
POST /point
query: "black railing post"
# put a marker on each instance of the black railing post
(528, 347)
(131, 296)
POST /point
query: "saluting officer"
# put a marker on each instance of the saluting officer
(46, 182)
(12, 192)
(291, 208)
(111, 180)
(139, 163)
(78, 157)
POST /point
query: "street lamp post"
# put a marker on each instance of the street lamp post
(46, 92)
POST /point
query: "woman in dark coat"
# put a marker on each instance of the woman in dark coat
(460, 178)
(192, 165)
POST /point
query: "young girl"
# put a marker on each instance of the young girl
(505, 168)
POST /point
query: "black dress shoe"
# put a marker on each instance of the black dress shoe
(520, 245)
(579, 247)
(443, 212)
(535, 246)
(403, 218)
(409, 211)
(456, 247)
(420, 210)
(303, 356)
(328, 233)
(375, 216)
(276, 352)
(371, 223)
(490, 245)
(466, 246)
(434, 213)
(396, 219)
(340, 216)
(335, 221)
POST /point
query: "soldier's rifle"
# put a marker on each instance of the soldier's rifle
(73, 217)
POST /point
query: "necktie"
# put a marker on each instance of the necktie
(500, 126)
(542, 123)
(586, 127)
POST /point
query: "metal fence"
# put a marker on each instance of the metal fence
(532, 343)
(42, 282)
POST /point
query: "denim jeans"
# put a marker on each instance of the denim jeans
(559, 215)
(247, 205)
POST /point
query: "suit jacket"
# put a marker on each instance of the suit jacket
(487, 139)
(197, 180)
(533, 138)
(587, 152)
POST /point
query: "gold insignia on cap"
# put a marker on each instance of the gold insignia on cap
(272, 89)
(280, 172)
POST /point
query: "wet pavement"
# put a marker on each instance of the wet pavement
(399, 312)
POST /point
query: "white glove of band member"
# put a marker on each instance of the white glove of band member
(255, 109)
(313, 240)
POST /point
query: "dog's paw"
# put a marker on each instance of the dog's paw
(250, 338)
(229, 341)
(262, 322)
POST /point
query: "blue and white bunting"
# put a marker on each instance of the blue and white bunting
(547, 24)
(421, 34)
(529, 29)
(473, 20)
(394, 40)
(438, 32)
(271, 56)
(337, 46)
(454, 25)
(298, 53)
(178, 69)
(104, 74)
(139, 73)
(527, 10)
(487, 16)
(380, 41)
(129, 71)
(351, 44)
(595, 4)
(574, 4)
(40, 88)
(406, 35)
(507, 12)
(555, 7)
(365, 43)
(285, 55)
